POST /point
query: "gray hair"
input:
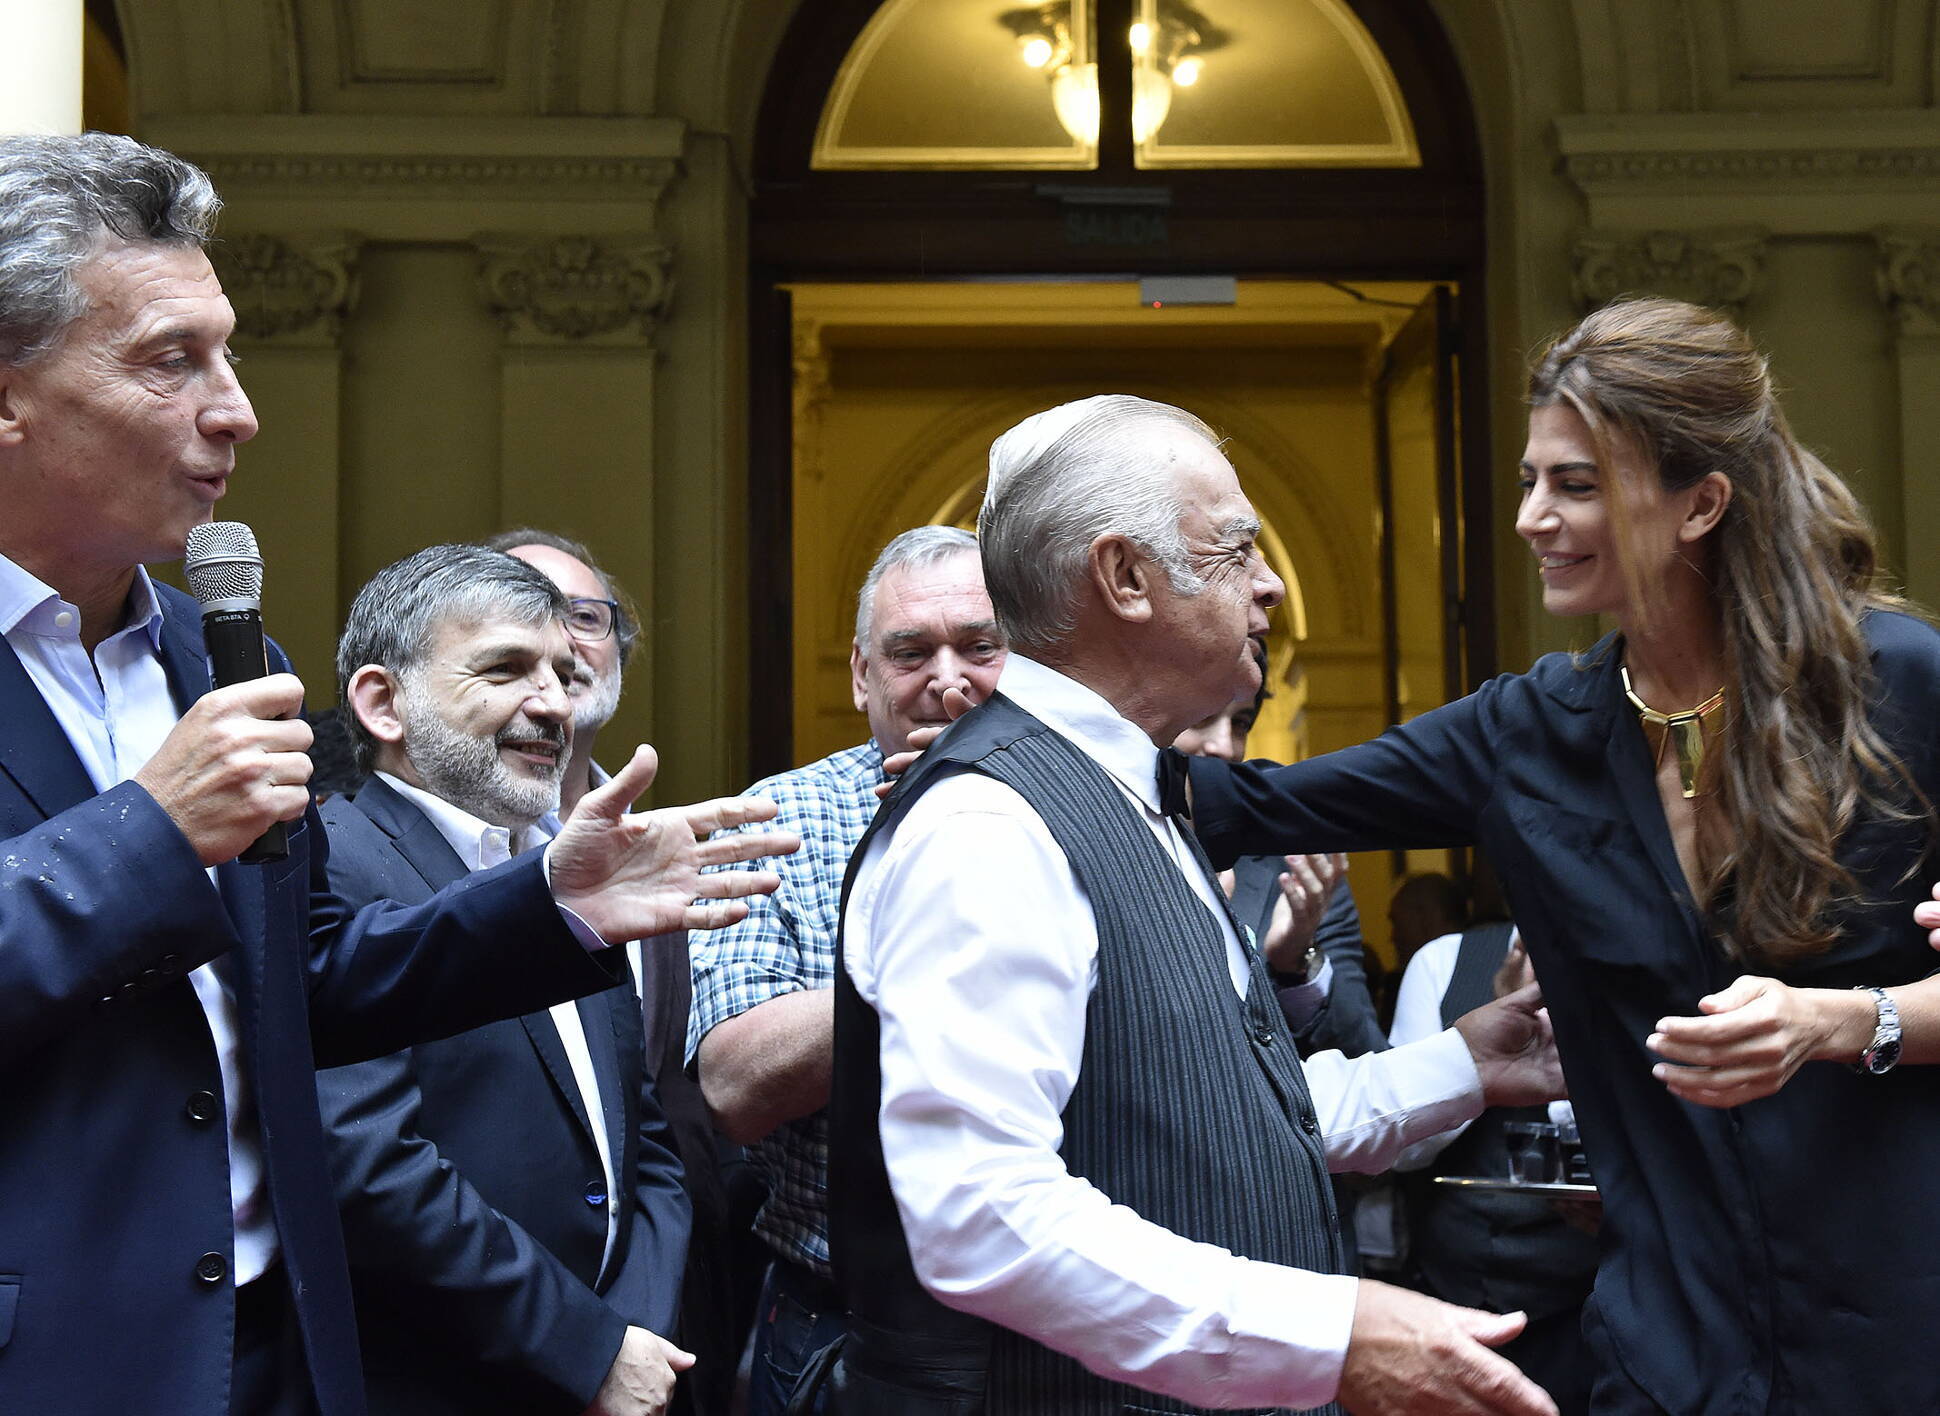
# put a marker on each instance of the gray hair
(397, 614)
(1058, 481)
(916, 549)
(626, 620)
(61, 200)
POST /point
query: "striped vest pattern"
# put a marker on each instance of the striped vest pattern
(1190, 1106)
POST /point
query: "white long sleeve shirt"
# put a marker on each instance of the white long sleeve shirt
(970, 936)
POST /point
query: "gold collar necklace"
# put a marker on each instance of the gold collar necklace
(1686, 729)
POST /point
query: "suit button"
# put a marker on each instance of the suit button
(1264, 1037)
(211, 1268)
(1309, 1124)
(202, 1106)
(595, 1192)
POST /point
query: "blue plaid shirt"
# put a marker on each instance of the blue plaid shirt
(786, 945)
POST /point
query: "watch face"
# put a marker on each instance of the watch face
(1881, 1056)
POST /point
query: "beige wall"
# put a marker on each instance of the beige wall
(598, 383)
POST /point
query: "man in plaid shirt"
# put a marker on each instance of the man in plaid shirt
(763, 1018)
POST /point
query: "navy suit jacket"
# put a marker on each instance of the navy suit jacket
(1347, 1020)
(474, 1201)
(1781, 1256)
(115, 1228)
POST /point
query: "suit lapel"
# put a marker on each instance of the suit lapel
(35, 750)
(424, 848)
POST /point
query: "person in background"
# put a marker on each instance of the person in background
(763, 1011)
(1300, 910)
(1483, 1248)
(604, 628)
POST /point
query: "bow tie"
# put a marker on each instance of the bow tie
(1172, 783)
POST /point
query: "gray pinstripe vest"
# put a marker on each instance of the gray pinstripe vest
(1190, 1105)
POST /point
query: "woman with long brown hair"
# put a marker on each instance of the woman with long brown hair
(1713, 828)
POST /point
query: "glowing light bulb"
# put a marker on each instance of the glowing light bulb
(1186, 72)
(1037, 51)
(1141, 37)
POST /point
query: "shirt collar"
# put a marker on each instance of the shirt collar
(479, 844)
(1060, 702)
(28, 603)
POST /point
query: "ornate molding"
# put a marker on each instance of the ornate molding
(1795, 172)
(1909, 277)
(1721, 268)
(576, 289)
(603, 179)
(419, 161)
(290, 292)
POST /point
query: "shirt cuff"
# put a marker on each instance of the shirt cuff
(1301, 1002)
(1295, 1324)
(588, 937)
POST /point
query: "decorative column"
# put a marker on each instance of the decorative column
(1721, 268)
(1909, 285)
(579, 315)
(291, 297)
(40, 66)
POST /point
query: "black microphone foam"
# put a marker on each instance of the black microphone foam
(225, 574)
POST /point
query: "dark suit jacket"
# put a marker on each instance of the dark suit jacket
(1347, 1020)
(1782, 1256)
(114, 1174)
(474, 1202)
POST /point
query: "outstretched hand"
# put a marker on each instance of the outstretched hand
(1514, 1049)
(631, 875)
(1412, 1355)
(956, 703)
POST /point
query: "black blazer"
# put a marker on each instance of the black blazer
(1347, 1020)
(115, 1230)
(473, 1199)
(1782, 1256)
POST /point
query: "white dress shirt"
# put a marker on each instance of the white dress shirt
(116, 710)
(482, 845)
(970, 936)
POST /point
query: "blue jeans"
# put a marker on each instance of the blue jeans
(798, 1316)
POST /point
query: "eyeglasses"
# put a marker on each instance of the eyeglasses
(591, 620)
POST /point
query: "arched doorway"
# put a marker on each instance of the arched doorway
(1348, 366)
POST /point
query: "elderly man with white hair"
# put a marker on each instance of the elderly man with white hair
(1077, 1165)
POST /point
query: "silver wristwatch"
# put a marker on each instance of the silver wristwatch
(1883, 1052)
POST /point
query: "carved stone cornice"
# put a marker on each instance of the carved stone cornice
(423, 161)
(1800, 172)
(1909, 277)
(288, 292)
(575, 289)
(1720, 268)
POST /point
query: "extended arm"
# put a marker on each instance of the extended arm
(1418, 785)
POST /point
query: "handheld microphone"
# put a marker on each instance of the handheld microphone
(225, 574)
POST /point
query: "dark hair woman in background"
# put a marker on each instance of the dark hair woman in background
(1713, 828)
